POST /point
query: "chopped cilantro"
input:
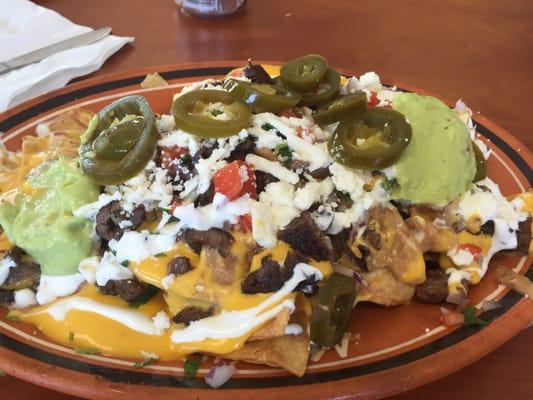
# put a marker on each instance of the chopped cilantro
(160, 255)
(144, 298)
(471, 318)
(144, 363)
(125, 263)
(191, 366)
(389, 185)
(284, 153)
(186, 158)
(216, 112)
(71, 336)
(89, 350)
(267, 127)
(12, 317)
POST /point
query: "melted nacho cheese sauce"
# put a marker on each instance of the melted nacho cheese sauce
(91, 320)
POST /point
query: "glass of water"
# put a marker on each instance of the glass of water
(210, 8)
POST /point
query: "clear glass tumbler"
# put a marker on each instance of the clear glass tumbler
(210, 8)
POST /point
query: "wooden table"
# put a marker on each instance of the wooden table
(480, 51)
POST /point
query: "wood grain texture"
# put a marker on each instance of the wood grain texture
(480, 50)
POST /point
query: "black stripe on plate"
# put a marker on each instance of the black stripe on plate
(149, 378)
(65, 98)
(517, 159)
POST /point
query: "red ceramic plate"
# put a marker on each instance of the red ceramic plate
(399, 348)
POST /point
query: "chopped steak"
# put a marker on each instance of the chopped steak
(257, 74)
(240, 152)
(340, 245)
(127, 289)
(487, 228)
(26, 275)
(189, 314)
(205, 150)
(435, 288)
(293, 258)
(262, 179)
(7, 297)
(179, 266)
(320, 173)
(523, 236)
(205, 198)
(111, 216)
(268, 278)
(304, 235)
(307, 286)
(216, 238)
(15, 254)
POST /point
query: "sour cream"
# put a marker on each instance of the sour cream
(232, 324)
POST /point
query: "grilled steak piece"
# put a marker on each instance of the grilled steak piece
(268, 278)
(26, 275)
(127, 289)
(435, 288)
(7, 297)
(320, 173)
(257, 74)
(307, 286)
(304, 235)
(206, 197)
(240, 151)
(111, 216)
(215, 238)
(262, 179)
(487, 228)
(179, 266)
(15, 254)
(189, 314)
(523, 236)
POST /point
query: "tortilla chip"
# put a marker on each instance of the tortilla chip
(274, 328)
(289, 352)
(153, 80)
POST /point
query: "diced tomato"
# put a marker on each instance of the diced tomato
(171, 153)
(173, 205)
(472, 248)
(302, 131)
(246, 223)
(373, 100)
(289, 112)
(235, 179)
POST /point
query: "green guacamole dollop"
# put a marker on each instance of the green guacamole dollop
(439, 162)
(42, 223)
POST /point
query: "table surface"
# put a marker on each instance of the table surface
(480, 51)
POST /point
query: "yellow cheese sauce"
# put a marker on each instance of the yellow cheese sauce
(474, 270)
(90, 330)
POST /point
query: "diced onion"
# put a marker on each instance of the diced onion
(220, 374)
(490, 305)
(451, 318)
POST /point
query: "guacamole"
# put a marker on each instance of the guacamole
(439, 162)
(41, 220)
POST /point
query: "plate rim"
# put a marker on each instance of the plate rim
(37, 375)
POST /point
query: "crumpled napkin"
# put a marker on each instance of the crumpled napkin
(24, 27)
